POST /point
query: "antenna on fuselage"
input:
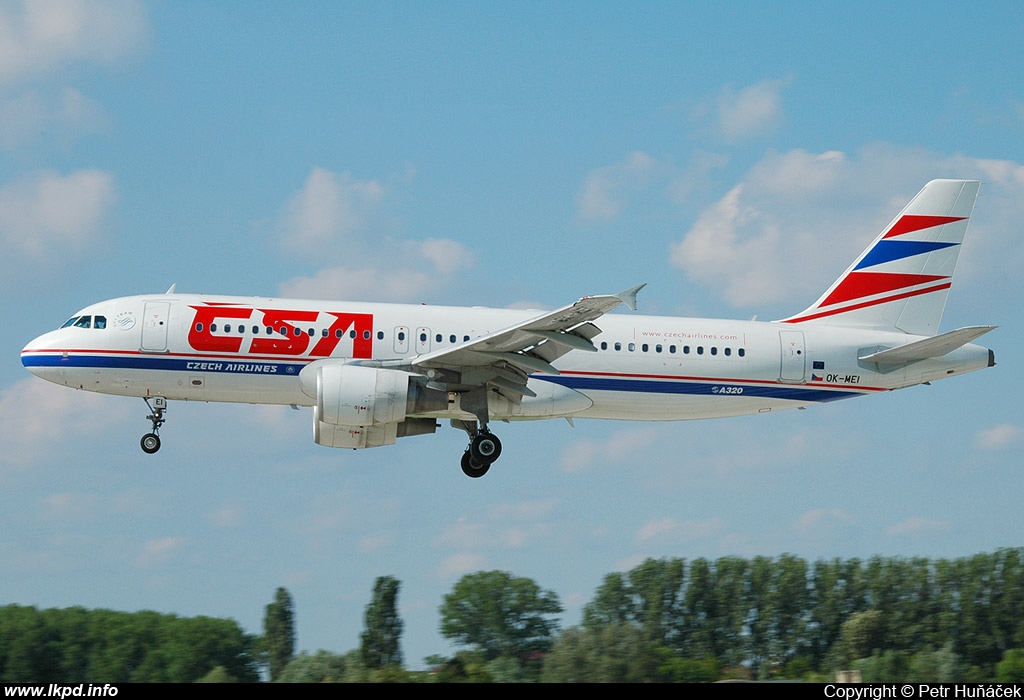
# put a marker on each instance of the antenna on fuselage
(171, 289)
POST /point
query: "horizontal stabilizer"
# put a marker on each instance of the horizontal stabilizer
(929, 347)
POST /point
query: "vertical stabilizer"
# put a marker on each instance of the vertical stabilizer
(901, 281)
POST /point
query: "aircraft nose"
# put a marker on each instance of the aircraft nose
(33, 358)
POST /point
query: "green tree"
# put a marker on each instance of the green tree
(614, 653)
(860, 635)
(1011, 668)
(321, 667)
(650, 595)
(500, 615)
(381, 641)
(279, 632)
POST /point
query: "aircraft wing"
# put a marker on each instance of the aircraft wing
(506, 357)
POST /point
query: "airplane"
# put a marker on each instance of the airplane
(375, 372)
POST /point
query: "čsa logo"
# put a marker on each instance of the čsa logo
(279, 331)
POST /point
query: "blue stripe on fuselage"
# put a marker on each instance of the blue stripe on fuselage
(172, 364)
(703, 388)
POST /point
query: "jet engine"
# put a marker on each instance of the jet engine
(360, 406)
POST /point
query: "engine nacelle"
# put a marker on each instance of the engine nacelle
(359, 396)
(360, 406)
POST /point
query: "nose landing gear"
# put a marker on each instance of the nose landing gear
(150, 442)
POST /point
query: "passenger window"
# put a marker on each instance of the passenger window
(657, 348)
(672, 349)
(618, 346)
(437, 337)
(644, 347)
(714, 351)
(700, 349)
(366, 335)
(632, 347)
(401, 335)
(728, 351)
(741, 352)
(686, 349)
(604, 345)
(380, 335)
(227, 327)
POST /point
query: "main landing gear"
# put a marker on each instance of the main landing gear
(484, 448)
(151, 441)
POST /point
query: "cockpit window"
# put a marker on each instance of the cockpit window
(86, 322)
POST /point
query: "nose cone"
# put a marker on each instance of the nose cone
(38, 356)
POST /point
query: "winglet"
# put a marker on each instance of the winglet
(628, 297)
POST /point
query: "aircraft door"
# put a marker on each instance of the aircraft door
(401, 340)
(154, 326)
(422, 340)
(794, 357)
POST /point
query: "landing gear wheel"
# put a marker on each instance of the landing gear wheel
(150, 443)
(485, 448)
(471, 468)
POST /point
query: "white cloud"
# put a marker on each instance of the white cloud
(459, 564)
(159, 550)
(32, 113)
(672, 531)
(750, 111)
(340, 223)
(37, 37)
(999, 437)
(918, 526)
(797, 219)
(605, 190)
(47, 221)
(330, 210)
(32, 411)
(584, 455)
(817, 520)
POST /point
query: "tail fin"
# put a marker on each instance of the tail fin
(901, 281)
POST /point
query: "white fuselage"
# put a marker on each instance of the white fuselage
(252, 350)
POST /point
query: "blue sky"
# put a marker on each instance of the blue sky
(735, 157)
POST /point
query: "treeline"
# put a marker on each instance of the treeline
(75, 645)
(894, 619)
